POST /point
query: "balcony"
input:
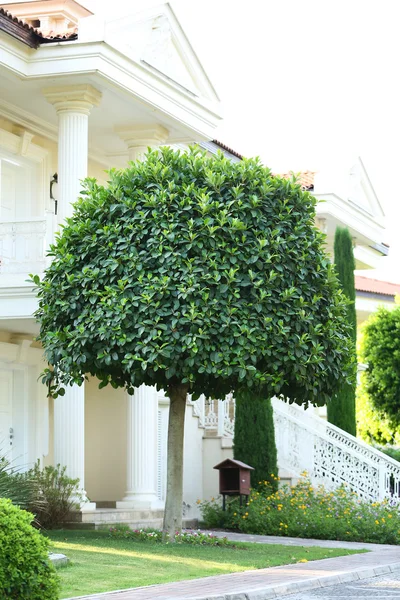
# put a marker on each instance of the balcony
(23, 246)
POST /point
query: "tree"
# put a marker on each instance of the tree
(381, 352)
(342, 408)
(254, 437)
(193, 274)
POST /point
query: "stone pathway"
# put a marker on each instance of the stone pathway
(265, 584)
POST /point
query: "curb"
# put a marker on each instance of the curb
(296, 587)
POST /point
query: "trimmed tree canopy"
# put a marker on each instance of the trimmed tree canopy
(196, 271)
(381, 352)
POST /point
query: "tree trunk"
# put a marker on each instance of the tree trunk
(174, 500)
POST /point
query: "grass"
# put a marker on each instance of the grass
(99, 563)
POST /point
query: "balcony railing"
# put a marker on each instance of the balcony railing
(23, 246)
(305, 442)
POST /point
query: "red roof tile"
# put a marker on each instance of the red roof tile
(36, 36)
(365, 284)
(305, 178)
(230, 150)
(7, 14)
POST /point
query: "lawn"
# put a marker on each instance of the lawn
(101, 564)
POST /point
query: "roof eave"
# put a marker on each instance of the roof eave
(18, 31)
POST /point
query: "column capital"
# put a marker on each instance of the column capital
(73, 98)
(143, 135)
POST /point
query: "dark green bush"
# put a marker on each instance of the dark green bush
(25, 571)
(254, 438)
(56, 495)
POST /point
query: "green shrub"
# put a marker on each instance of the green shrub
(56, 495)
(194, 538)
(373, 425)
(309, 512)
(25, 571)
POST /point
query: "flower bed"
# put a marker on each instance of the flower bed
(309, 512)
(197, 538)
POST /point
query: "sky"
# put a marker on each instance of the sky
(308, 84)
(303, 83)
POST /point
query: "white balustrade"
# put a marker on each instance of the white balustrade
(305, 442)
(218, 415)
(23, 246)
(331, 456)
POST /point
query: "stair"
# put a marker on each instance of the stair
(308, 443)
(107, 517)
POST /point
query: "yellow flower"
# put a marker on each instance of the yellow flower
(302, 560)
(234, 514)
(247, 514)
(376, 522)
(389, 516)
(198, 501)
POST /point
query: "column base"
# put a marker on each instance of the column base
(140, 501)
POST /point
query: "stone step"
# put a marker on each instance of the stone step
(116, 515)
(133, 524)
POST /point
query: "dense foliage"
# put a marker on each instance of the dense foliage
(194, 274)
(380, 351)
(194, 538)
(254, 437)
(25, 570)
(188, 269)
(342, 408)
(372, 425)
(308, 512)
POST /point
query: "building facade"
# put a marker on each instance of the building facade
(80, 94)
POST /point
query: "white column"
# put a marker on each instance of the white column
(142, 413)
(142, 450)
(69, 436)
(138, 139)
(73, 106)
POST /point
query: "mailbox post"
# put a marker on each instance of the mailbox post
(234, 479)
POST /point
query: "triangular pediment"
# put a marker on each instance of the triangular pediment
(361, 192)
(155, 39)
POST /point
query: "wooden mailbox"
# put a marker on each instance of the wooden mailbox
(234, 479)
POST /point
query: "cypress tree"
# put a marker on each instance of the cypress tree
(254, 438)
(342, 409)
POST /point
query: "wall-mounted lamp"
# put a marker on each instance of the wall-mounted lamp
(53, 191)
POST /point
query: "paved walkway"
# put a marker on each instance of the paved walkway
(265, 584)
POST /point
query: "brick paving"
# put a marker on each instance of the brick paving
(264, 584)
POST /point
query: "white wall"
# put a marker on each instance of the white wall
(192, 465)
(105, 442)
